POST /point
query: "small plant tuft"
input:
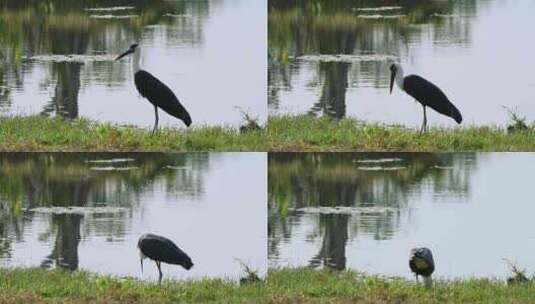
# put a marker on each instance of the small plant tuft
(518, 275)
(517, 122)
(251, 122)
(251, 275)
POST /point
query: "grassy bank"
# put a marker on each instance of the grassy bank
(35, 133)
(38, 285)
(284, 133)
(282, 286)
(304, 133)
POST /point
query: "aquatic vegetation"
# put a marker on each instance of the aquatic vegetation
(177, 15)
(176, 167)
(109, 9)
(77, 210)
(113, 168)
(377, 16)
(346, 58)
(378, 161)
(344, 210)
(110, 161)
(378, 9)
(70, 58)
(443, 168)
(113, 16)
(379, 168)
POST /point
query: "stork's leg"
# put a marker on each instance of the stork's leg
(159, 265)
(424, 122)
(428, 282)
(156, 121)
(425, 119)
(416, 278)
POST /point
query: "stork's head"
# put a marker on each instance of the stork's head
(141, 257)
(187, 263)
(131, 50)
(394, 68)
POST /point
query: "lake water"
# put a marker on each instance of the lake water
(366, 211)
(87, 211)
(57, 58)
(333, 59)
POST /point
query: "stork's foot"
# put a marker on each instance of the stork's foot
(422, 131)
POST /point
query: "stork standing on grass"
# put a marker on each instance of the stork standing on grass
(155, 91)
(161, 249)
(425, 92)
(421, 263)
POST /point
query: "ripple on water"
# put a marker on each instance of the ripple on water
(76, 210)
(344, 210)
(346, 58)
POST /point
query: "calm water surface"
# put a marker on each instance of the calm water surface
(366, 211)
(56, 58)
(87, 211)
(333, 58)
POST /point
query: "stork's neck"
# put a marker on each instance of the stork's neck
(137, 60)
(399, 77)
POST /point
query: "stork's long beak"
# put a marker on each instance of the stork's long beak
(392, 77)
(124, 54)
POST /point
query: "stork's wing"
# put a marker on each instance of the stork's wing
(421, 261)
(430, 95)
(162, 249)
(160, 95)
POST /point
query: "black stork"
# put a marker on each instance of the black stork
(425, 92)
(161, 249)
(155, 91)
(421, 263)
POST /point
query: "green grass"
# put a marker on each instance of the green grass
(38, 285)
(305, 133)
(306, 285)
(282, 286)
(284, 133)
(35, 133)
